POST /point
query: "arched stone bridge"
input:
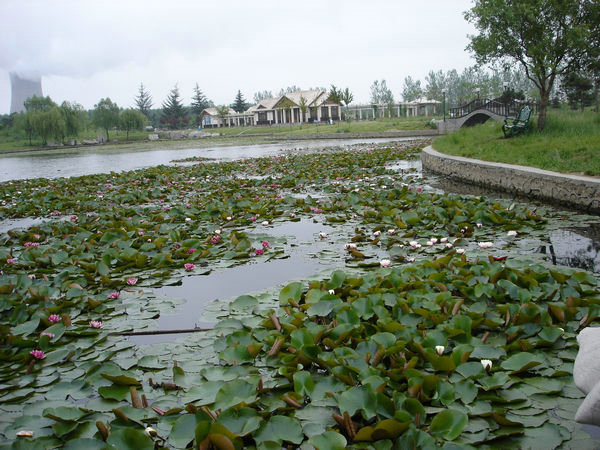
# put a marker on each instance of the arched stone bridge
(476, 112)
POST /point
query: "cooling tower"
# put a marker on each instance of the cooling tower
(23, 88)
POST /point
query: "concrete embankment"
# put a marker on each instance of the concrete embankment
(579, 192)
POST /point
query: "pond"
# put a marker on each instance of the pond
(86, 161)
(341, 292)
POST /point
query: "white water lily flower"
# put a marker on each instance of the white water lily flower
(486, 363)
(349, 246)
(448, 245)
(391, 231)
(434, 240)
(228, 217)
(485, 244)
(460, 251)
(512, 233)
(443, 240)
(322, 235)
(332, 292)
(413, 244)
(429, 243)
(266, 222)
(439, 349)
(218, 231)
(24, 433)
(150, 431)
(385, 263)
(411, 259)
(377, 233)
(478, 225)
(187, 219)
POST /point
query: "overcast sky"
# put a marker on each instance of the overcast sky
(87, 49)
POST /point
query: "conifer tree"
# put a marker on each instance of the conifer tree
(143, 101)
(239, 105)
(173, 111)
(199, 103)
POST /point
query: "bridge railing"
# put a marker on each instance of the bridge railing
(509, 109)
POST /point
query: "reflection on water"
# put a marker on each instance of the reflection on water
(577, 247)
(87, 161)
(9, 224)
(197, 291)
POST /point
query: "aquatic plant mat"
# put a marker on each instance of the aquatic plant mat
(406, 318)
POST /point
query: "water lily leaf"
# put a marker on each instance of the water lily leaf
(488, 352)
(244, 303)
(27, 327)
(545, 385)
(470, 369)
(87, 443)
(323, 307)
(448, 424)
(550, 334)
(292, 291)
(235, 392)
(150, 362)
(337, 279)
(241, 421)
(121, 380)
(118, 392)
(521, 362)
(303, 383)
(359, 398)
(328, 441)
(64, 414)
(279, 429)
(130, 439)
(183, 431)
(495, 381)
(204, 393)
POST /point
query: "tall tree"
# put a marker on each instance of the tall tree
(546, 37)
(74, 117)
(143, 100)
(130, 119)
(289, 90)
(24, 121)
(36, 103)
(347, 96)
(261, 95)
(578, 89)
(48, 124)
(303, 107)
(335, 94)
(173, 112)
(411, 90)
(239, 104)
(106, 115)
(222, 112)
(199, 104)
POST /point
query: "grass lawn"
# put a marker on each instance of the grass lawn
(367, 126)
(570, 143)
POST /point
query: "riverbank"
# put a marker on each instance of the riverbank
(574, 191)
(222, 141)
(568, 144)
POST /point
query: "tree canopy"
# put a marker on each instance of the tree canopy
(106, 115)
(548, 38)
(173, 114)
(239, 104)
(199, 103)
(130, 119)
(143, 100)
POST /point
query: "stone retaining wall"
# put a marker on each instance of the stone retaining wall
(574, 191)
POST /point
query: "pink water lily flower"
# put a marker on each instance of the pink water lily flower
(259, 252)
(385, 263)
(37, 354)
(49, 335)
(485, 244)
(96, 324)
(114, 295)
(266, 244)
(131, 281)
(10, 261)
(189, 266)
(54, 318)
(191, 250)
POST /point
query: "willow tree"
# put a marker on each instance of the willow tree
(548, 38)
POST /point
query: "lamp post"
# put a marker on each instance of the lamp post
(477, 91)
(505, 98)
(444, 102)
